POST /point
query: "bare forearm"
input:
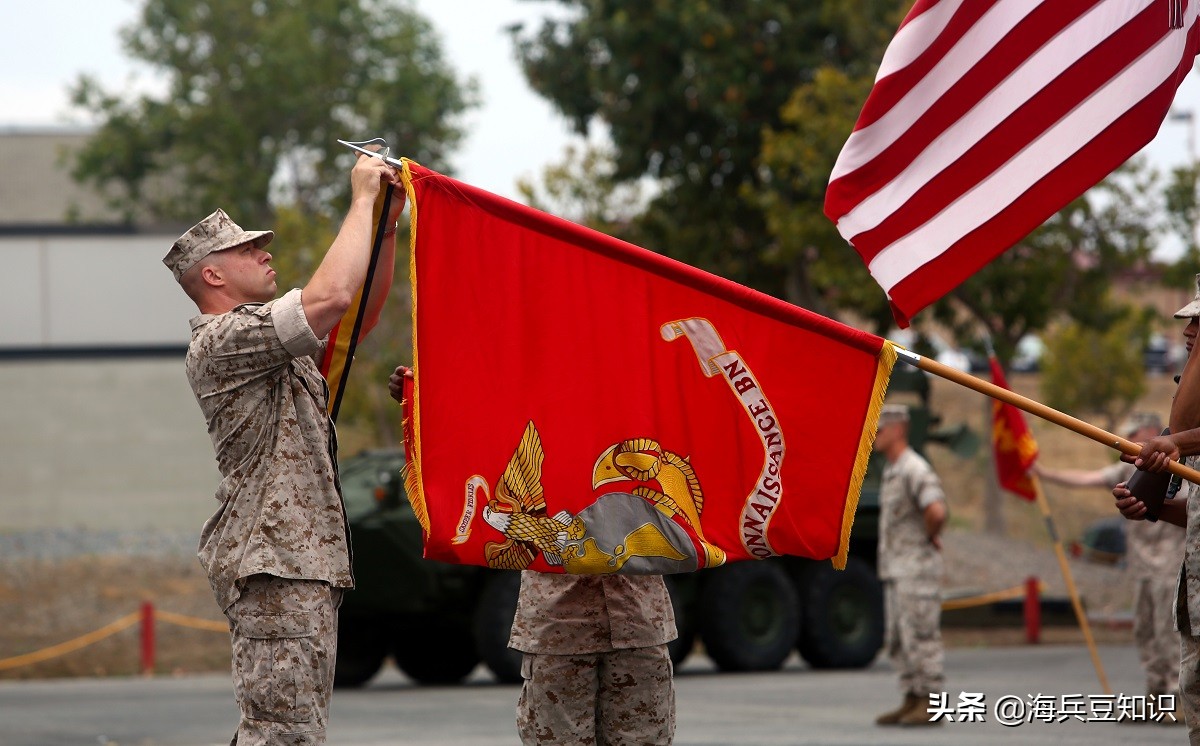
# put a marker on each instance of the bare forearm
(935, 519)
(1187, 441)
(1185, 407)
(1073, 477)
(342, 272)
(381, 284)
(1174, 510)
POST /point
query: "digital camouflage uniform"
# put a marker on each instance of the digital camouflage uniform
(596, 666)
(911, 570)
(1154, 552)
(1187, 610)
(277, 550)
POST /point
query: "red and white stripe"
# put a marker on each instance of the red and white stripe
(987, 117)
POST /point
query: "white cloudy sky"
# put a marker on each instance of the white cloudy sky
(45, 44)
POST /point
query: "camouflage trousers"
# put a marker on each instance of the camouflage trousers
(618, 698)
(1154, 632)
(284, 635)
(1189, 686)
(913, 634)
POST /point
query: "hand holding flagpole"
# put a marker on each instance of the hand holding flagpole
(1040, 410)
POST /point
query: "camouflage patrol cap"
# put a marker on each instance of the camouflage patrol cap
(1192, 309)
(1138, 421)
(217, 232)
(892, 413)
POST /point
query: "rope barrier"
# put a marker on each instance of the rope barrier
(180, 620)
(70, 646)
(108, 630)
(1017, 591)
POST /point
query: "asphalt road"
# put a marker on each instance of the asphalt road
(794, 706)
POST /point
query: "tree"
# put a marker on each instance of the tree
(686, 91)
(823, 273)
(581, 188)
(257, 94)
(1182, 201)
(1088, 370)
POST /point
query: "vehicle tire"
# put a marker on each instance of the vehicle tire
(685, 624)
(749, 616)
(843, 615)
(435, 649)
(361, 648)
(492, 624)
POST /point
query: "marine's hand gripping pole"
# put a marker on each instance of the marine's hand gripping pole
(1039, 410)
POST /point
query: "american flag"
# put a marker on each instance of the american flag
(987, 117)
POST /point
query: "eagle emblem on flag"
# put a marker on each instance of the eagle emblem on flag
(646, 515)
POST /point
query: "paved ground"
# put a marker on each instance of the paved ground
(793, 707)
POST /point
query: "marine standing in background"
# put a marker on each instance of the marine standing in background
(1154, 551)
(912, 512)
(277, 551)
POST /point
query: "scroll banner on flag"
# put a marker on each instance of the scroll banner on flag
(346, 334)
(1013, 445)
(583, 405)
(987, 117)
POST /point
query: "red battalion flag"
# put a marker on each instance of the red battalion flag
(987, 117)
(1014, 448)
(583, 405)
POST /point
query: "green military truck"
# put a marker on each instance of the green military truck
(439, 621)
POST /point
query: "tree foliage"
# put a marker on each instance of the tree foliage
(581, 188)
(685, 91)
(1089, 370)
(257, 94)
(1182, 203)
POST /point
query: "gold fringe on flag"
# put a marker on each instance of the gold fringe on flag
(412, 426)
(883, 374)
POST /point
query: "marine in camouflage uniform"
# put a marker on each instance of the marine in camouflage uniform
(596, 668)
(1154, 553)
(277, 551)
(912, 510)
(1183, 510)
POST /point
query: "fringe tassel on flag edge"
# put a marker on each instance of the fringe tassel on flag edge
(883, 374)
(412, 470)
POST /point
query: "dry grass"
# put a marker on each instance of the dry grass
(46, 603)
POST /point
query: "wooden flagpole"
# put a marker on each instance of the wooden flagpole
(1044, 506)
(1034, 408)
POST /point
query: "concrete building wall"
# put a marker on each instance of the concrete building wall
(64, 291)
(103, 444)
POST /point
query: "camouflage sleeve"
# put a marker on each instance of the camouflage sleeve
(926, 487)
(291, 325)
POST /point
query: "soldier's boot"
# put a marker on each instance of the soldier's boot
(892, 717)
(919, 714)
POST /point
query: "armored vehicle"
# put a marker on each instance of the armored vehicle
(439, 621)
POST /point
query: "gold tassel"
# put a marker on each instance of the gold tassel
(412, 469)
(883, 374)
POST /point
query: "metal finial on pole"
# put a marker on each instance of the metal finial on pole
(384, 153)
